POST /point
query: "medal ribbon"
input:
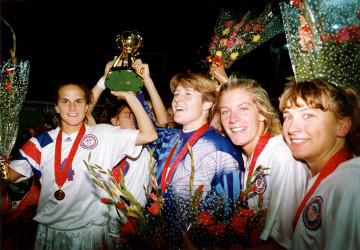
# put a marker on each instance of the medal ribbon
(165, 175)
(263, 140)
(329, 168)
(61, 176)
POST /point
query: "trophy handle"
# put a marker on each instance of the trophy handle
(4, 172)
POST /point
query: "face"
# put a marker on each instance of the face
(72, 108)
(310, 133)
(241, 119)
(125, 119)
(189, 110)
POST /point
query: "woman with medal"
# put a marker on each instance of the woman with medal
(321, 127)
(216, 161)
(69, 212)
(250, 121)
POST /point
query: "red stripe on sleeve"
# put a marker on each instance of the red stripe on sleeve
(31, 151)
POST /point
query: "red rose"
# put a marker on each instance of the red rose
(228, 24)
(257, 27)
(238, 224)
(344, 35)
(247, 213)
(215, 38)
(247, 28)
(212, 45)
(296, 3)
(328, 36)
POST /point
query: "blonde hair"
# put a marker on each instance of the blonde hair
(320, 94)
(260, 97)
(199, 82)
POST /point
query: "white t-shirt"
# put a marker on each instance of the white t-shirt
(331, 217)
(81, 205)
(283, 187)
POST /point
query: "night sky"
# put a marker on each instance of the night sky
(76, 38)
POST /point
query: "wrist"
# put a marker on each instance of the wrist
(101, 83)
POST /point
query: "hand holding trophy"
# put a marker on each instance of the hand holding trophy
(124, 77)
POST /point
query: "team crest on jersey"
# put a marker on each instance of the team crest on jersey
(89, 141)
(260, 182)
(312, 213)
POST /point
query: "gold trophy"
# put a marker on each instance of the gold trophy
(124, 77)
(4, 172)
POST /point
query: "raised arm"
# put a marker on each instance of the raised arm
(143, 70)
(97, 90)
(147, 132)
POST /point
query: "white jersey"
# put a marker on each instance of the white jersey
(283, 187)
(81, 205)
(331, 217)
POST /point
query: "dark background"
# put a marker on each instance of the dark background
(75, 38)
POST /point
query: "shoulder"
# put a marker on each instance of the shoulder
(277, 148)
(348, 173)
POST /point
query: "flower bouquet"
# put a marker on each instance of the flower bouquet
(210, 230)
(14, 79)
(236, 35)
(324, 40)
(137, 228)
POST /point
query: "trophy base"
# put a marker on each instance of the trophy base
(124, 80)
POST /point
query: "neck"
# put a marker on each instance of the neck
(193, 126)
(320, 161)
(67, 129)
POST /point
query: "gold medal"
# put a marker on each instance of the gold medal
(59, 195)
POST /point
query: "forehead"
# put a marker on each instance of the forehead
(182, 88)
(236, 96)
(125, 110)
(71, 91)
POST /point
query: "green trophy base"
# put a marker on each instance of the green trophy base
(124, 80)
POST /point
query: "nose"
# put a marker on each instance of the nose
(177, 98)
(292, 126)
(72, 106)
(233, 117)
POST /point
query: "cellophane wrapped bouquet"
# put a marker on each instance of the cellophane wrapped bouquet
(237, 34)
(210, 230)
(14, 80)
(324, 40)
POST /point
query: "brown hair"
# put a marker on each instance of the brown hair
(87, 93)
(111, 110)
(260, 97)
(320, 94)
(201, 83)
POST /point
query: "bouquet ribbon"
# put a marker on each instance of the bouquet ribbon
(165, 178)
(214, 59)
(329, 168)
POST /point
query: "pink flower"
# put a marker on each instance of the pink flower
(215, 38)
(152, 184)
(154, 209)
(153, 196)
(212, 45)
(228, 24)
(238, 40)
(233, 34)
(344, 35)
(230, 44)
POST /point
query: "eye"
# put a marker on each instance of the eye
(308, 116)
(287, 117)
(79, 101)
(225, 112)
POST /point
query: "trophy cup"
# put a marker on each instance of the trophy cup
(124, 77)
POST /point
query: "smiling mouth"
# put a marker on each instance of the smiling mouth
(298, 141)
(179, 109)
(238, 129)
(73, 115)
